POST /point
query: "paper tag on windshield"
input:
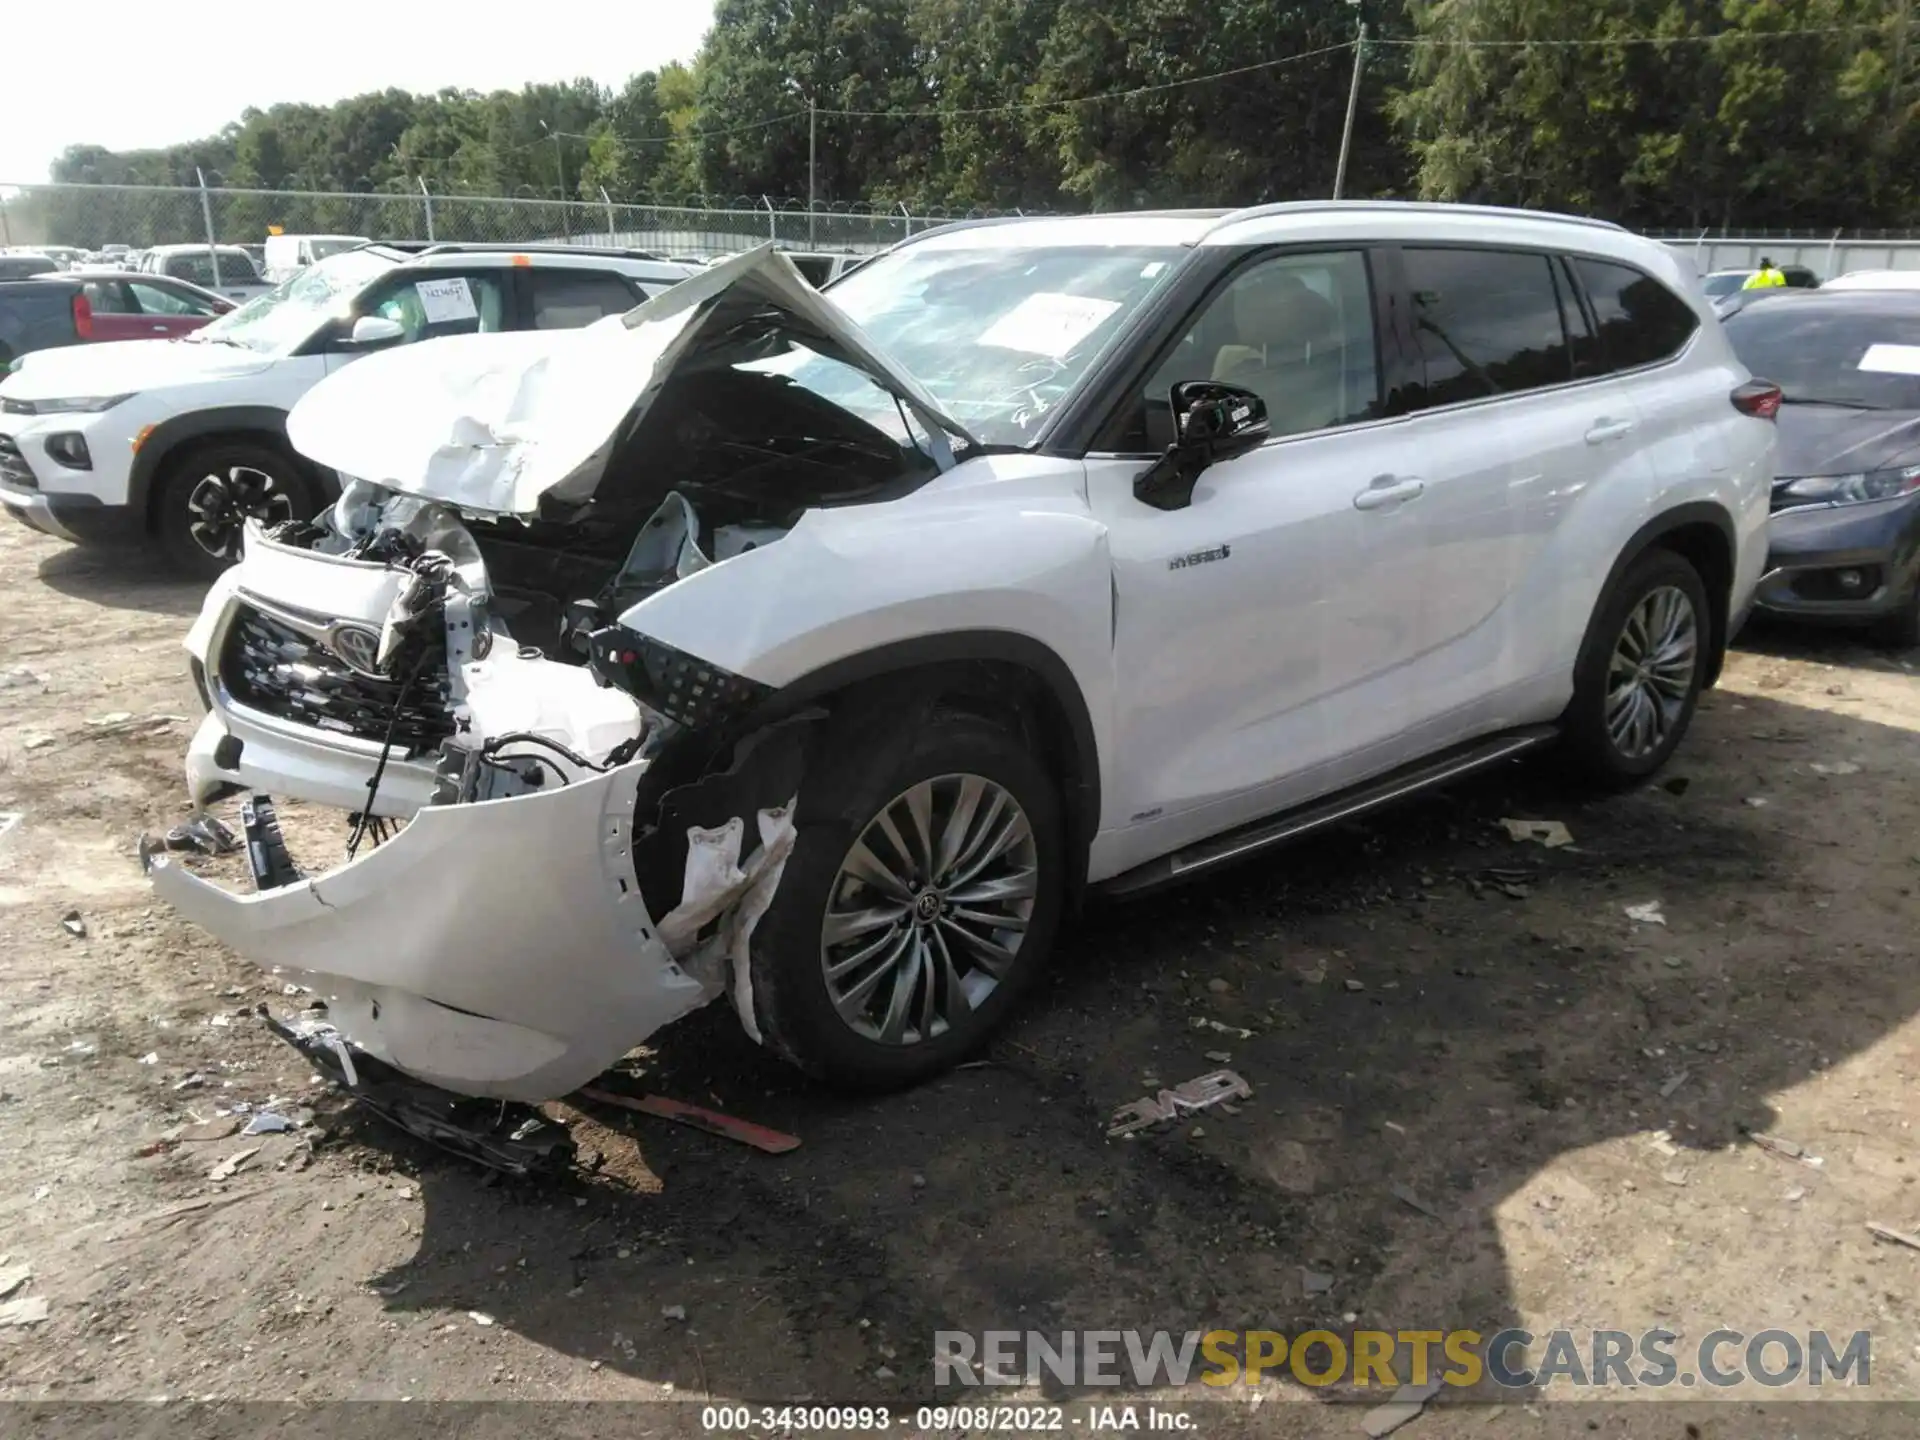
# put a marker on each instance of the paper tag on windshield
(1892, 359)
(1048, 324)
(446, 300)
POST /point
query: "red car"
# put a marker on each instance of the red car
(124, 305)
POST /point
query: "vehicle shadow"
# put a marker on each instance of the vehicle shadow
(122, 578)
(1428, 1014)
(1824, 645)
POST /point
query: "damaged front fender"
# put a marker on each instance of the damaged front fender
(499, 948)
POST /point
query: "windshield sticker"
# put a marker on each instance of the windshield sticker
(1892, 359)
(1048, 324)
(446, 300)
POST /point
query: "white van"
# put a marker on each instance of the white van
(288, 255)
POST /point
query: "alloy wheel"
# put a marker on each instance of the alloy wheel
(1650, 677)
(929, 909)
(219, 506)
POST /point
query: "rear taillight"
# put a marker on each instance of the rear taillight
(1758, 398)
(82, 316)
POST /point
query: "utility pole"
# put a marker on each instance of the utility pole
(1353, 105)
(813, 136)
(560, 175)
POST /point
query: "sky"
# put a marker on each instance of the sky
(126, 97)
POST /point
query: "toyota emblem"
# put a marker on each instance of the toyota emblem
(358, 646)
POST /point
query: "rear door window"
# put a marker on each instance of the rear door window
(1641, 321)
(568, 299)
(1488, 322)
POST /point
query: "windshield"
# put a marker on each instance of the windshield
(997, 335)
(1823, 354)
(334, 245)
(286, 315)
(1725, 283)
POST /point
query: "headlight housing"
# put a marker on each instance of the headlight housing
(1848, 489)
(75, 404)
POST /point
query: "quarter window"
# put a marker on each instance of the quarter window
(1297, 330)
(1641, 321)
(1488, 322)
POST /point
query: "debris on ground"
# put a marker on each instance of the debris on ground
(1315, 1282)
(1408, 1198)
(29, 1311)
(673, 1312)
(1674, 1082)
(1238, 1032)
(37, 742)
(205, 835)
(1898, 1237)
(1758, 802)
(74, 924)
(1313, 974)
(1675, 1174)
(12, 1277)
(1355, 985)
(1786, 1149)
(1647, 913)
(1407, 1404)
(480, 1318)
(1661, 1143)
(195, 1081)
(1834, 767)
(1219, 1057)
(8, 819)
(112, 717)
(1550, 833)
(269, 1122)
(152, 1057)
(230, 1166)
(215, 1129)
(1219, 986)
(714, 1122)
(1200, 1093)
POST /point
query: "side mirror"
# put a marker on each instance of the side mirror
(1214, 422)
(370, 331)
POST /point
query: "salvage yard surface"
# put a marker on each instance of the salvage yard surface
(1482, 1095)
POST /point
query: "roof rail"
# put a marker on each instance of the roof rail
(1305, 207)
(453, 247)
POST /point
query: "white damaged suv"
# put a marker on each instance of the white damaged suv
(826, 651)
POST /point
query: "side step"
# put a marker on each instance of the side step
(1328, 810)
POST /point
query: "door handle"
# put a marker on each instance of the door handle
(1387, 491)
(1605, 429)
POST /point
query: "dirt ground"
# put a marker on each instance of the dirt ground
(1437, 1012)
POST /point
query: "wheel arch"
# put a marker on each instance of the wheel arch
(997, 673)
(1701, 533)
(175, 437)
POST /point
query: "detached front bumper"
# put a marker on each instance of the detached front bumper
(499, 948)
(1842, 563)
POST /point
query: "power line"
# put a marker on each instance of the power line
(1603, 43)
(935, 112)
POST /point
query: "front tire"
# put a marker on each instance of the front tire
(920, 901)
(208, 493)
(1640, 672)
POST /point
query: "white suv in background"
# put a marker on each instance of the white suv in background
(183, 439)
(874, 628)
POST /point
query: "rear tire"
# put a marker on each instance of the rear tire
(206, 493)
(1640, 672)
(914, 928)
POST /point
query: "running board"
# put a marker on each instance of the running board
(1329, 810)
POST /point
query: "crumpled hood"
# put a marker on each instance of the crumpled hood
(491, 423)
(121, 367)
(1828, 440)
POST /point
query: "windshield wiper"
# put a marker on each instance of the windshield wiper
(1840, 402)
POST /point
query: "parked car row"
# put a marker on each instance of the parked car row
(824, 649)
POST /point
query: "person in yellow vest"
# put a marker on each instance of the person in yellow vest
(1765, 278)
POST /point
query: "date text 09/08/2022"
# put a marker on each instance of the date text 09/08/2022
(938, 1419)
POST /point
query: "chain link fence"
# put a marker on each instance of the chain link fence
(138, 216)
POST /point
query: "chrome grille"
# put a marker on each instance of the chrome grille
(13, 466)
(271, 667)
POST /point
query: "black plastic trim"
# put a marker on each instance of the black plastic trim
(241, 421)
